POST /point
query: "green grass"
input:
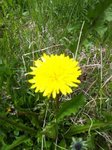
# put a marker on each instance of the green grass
(27, 29)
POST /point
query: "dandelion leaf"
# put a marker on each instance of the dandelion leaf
(70, 106)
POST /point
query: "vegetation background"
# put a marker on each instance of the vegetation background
(82, 28)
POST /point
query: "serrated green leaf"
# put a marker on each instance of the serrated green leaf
(77, 129)
(18, 125)
(17, 142)
(108, 14)
(69, 107)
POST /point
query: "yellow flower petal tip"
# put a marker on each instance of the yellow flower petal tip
(54, 74)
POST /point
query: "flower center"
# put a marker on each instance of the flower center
(54, 77)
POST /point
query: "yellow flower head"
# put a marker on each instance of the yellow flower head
(54, 74)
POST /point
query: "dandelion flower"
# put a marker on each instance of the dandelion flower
(54, 74)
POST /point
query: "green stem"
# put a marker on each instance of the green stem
(57, 102)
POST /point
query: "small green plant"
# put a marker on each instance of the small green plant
(78, 144)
